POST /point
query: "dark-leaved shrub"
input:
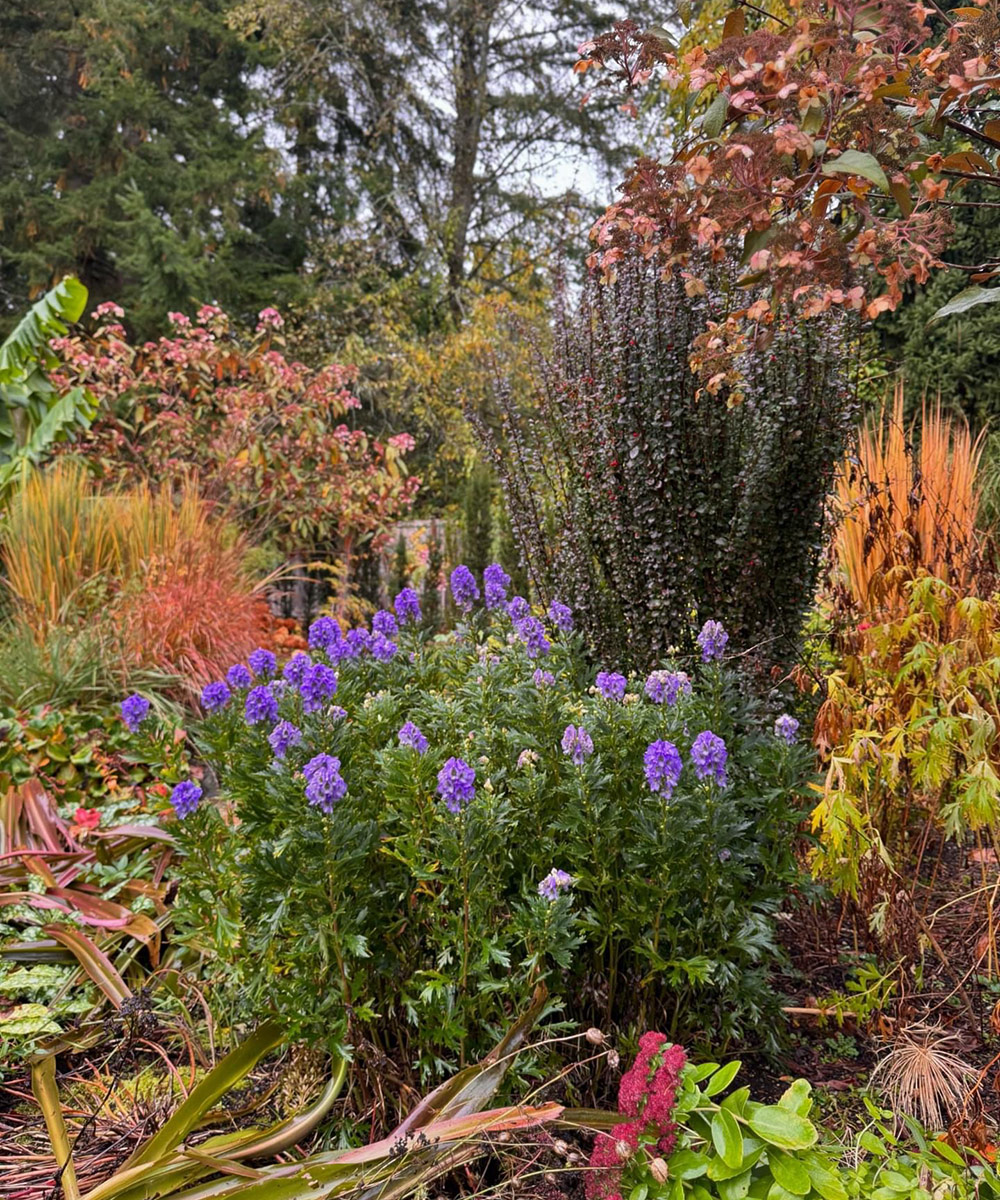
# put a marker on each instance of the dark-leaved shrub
(653, 500)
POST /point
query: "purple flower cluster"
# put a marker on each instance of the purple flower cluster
(712, 640)
(261, 705)
(135, 709)
(356, 642)
(611, 685)
(382, 648)
(263, 664)
(384, 623)
(663, 687)
(215, 696)
(324, 634)
(464, 588)
(496, 581)
(518, 609)
(553, 883)
(561, 615)
(283, 737)
(324, 783)
(238, 677)
(786, 727)
(532, 632)
(407, 606)
(318, 685)
(663, 765)
(297, 668)
(708, 753)
(577, 743)
(543, 678)
(185, 798)
(410, 735)
(456, 784)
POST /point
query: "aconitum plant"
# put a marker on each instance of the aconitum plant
(577, 744)
(456, 784)
(611, 685)
(663, 766)
(463, 823)
(709, 755)
(134, 710)
(263, 663)
(464, 589)
(215, 696)
(496, 581)
(384, 623)
(261, 706)
(185, 798)
(407, 606)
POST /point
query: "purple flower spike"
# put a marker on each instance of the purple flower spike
(496, 581)
(263, 664)
(518, 609)
(324, 634)
(324, 783)
(238, 677)
(662, 763)
(663, 687)
(215, 696)
(709, 755)
(456, 784)
(554, 883)
(319, 685)
(185, 798)
(297, 667)
(611, 685)
(261, 706)
(283, 737)
(464, 588)
(786, 727)
(532, 632)
(134, 709)
(385, 623)
(712, 640)
(577, 743)
(410, 735)
(561, 615)
(407, 606)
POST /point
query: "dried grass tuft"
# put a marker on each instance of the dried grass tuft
(923, 1077)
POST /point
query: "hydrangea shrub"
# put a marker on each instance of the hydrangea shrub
(478, 812)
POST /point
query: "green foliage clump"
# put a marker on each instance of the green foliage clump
(723, 1144)
(394, 921)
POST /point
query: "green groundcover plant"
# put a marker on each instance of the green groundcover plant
(413, 831)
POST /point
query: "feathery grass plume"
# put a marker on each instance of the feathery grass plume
(909, 501)
(60, 546)
(921, 1076)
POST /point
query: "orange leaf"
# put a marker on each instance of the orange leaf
(734, 25)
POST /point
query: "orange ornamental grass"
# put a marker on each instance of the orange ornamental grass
(160, 575)
(908, 510)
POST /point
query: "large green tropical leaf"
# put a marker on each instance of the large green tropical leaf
(33, 414)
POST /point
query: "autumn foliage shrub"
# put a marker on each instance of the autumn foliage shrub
(268, 438)
(654, 502)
